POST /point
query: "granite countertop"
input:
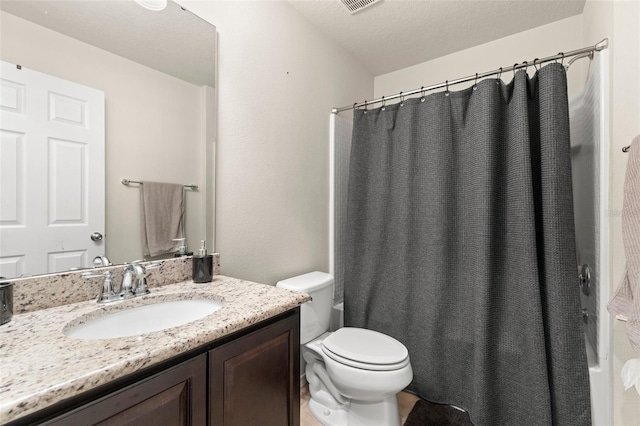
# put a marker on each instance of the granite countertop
(40, 366)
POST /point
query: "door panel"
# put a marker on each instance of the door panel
(67, 174)
(12, 176)
(52, 172)
(255, 379)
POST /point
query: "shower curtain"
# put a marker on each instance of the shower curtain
(460, 244)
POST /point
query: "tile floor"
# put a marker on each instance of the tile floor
(405, 404)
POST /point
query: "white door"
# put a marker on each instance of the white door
(51, 172)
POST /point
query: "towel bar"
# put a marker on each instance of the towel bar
(129, 181)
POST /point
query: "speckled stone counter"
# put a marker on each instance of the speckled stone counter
(41, 366)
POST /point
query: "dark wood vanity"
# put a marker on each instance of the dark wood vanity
(250, 377)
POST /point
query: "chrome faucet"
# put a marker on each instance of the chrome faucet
(126, 285)
(141, 284)
(134, 282)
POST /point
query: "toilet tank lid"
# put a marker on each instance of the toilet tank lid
(307, 282)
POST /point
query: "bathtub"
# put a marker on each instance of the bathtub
(601, 381)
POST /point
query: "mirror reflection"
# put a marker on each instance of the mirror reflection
(139, 82)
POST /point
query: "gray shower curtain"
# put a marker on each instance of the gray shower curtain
(460, 244)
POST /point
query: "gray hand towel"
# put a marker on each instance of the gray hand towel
(626, 300)
(161, 206)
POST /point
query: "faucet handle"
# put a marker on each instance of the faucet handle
(153, 266)
(95, 274)
(149, 266)
(107, 294)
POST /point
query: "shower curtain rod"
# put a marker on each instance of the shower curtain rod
(579, 53)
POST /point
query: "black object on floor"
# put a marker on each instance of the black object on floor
(425, 413)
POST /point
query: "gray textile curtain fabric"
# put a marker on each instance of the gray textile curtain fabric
(460, 244)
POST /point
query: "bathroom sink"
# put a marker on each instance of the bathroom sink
(143, 319)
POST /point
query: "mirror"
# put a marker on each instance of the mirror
(157, 72)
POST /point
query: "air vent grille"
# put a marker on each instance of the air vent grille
(357, 5)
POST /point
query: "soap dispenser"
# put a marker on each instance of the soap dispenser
(202, 265)
(182, 250)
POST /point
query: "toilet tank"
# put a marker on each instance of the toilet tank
(315, 314)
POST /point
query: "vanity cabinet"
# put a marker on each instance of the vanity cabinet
(251, 377)
(177, 396)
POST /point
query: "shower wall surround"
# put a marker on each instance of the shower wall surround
(48, 291)
(584, 112)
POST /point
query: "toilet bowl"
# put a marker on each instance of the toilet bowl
(362, 383)
(354, 374)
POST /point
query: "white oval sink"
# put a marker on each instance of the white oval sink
(144, 319)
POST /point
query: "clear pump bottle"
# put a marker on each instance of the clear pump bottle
(182, 250)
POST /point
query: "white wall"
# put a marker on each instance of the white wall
(525, 46)
(278, 79)
(620, 22)
(152, 132)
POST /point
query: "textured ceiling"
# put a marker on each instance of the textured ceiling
(395, 34)
(173, 41)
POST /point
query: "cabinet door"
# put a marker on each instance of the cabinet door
(255, 380)
(176, 396)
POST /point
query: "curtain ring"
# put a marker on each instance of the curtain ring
(562, 60)
(422, 94)
(499, 76)
(526, 65)
(514, 69)
(534, 64)
(446, 93)
(401, 99)
(384, 104)
(475, 83)
(365, 106)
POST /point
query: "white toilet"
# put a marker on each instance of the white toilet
(354, 374)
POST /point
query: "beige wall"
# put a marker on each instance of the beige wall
(525, 46)
(620, 22)
(152, 132)
(278, 80)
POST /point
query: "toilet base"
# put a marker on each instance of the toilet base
(358, 413)
(328, 416)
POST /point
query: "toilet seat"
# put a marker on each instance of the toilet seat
(365, 366)
(365, 349)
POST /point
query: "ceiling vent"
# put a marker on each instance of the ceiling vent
(357, 5)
